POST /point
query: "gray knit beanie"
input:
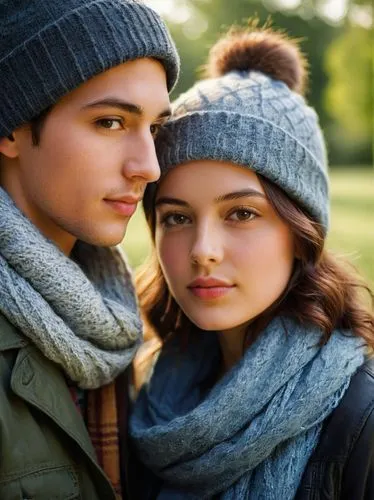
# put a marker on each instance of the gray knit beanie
(250, 113)
(48, 48)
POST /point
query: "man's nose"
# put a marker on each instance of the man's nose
(142, 163)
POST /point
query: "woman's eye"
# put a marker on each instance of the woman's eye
(110, 123)
(242, 214)
(174, 220)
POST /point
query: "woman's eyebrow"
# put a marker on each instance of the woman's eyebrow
(164, 200)
(239, 194)
(243, 193)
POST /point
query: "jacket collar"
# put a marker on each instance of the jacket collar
(10, 337)
(41, 383)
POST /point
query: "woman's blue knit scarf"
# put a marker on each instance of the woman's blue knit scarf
(252, 435)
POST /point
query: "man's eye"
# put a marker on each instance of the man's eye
(110, 123)
(155, 129)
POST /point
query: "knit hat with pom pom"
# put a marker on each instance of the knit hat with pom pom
(251, 112)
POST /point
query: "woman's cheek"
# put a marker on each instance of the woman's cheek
(171, 254)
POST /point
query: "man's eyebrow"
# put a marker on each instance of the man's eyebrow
(170, 201)
(124, 106)
(116, 103)
(165, 114)
(235, 195)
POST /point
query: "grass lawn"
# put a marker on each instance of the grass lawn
(352, 222)
(352, 218)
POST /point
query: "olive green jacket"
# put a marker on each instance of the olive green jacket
(45, 449)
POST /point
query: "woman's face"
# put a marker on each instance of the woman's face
(225, 253)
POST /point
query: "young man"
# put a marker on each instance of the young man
(84, 90)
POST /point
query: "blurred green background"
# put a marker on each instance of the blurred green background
(338, 39)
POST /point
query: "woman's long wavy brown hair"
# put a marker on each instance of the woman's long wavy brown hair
(321, 291)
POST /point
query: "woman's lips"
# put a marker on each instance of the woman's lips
(122, 207)
(210, 287)
(211, 292)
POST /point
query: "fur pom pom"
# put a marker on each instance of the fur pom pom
(265, 50)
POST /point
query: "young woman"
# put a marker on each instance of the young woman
(262, 387)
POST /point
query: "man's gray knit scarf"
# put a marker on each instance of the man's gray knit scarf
(80, 313)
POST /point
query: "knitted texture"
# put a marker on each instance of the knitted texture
(252, 120)
(48, 49)
(252, 435)
(82, 315)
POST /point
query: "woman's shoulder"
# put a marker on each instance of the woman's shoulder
(344, 457)
(356, 409)
(353, 417)
(358, 478)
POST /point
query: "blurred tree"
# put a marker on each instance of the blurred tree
(349, 94)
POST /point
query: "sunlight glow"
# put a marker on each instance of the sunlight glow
(362, 15)
(175, 10)
(286, 4)
(333, 10)
(179, 12)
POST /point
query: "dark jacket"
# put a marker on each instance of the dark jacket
(342, 465)
(45, 449)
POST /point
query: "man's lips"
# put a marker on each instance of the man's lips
(210, 288)
(124, 206)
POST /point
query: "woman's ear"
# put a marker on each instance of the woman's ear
(8, 146)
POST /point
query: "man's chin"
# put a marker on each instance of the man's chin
(105, 239)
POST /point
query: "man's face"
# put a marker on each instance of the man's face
(95, 156)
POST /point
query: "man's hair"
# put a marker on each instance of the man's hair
(37, 124)
(36, 127)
